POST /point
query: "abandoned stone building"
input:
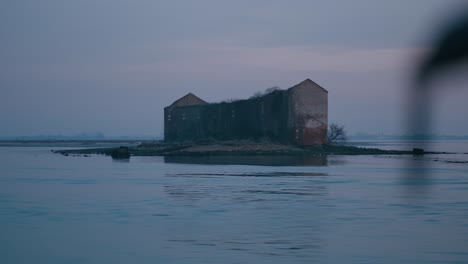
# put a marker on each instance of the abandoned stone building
(298, 115)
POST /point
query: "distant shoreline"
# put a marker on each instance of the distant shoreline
(70, 143)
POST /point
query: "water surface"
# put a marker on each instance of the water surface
(360, 209)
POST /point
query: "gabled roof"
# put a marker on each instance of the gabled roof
(188, 100)
(310, 83)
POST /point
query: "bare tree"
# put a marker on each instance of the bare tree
(336, 133)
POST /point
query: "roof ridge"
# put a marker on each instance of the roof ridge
(190, 94)
(308, 80)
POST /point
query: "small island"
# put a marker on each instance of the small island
(291, 122)
(223, 148)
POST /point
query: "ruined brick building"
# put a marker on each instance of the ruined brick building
(298, 115)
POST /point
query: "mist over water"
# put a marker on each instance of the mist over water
(375, 209)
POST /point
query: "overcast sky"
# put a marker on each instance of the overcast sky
(70, 66)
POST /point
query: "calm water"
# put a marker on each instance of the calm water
(342, 209)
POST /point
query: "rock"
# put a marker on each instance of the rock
(121, 153)
(418, 151)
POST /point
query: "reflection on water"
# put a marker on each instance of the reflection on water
(262, 160)
(252, 174)
(121, 160)
(192, 187)
(416, 177)
(257, 216)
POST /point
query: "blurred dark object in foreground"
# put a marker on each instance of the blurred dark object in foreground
(449, 49)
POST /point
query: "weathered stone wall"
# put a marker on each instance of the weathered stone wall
(264, 117)
(182, 123)
(309, 113)
(298, 115)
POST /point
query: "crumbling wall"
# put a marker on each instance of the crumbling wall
(264, 117)
(309, 114)
(298, 115)
(182, 123)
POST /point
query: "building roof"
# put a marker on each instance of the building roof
(188, 100)
(308, 83)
